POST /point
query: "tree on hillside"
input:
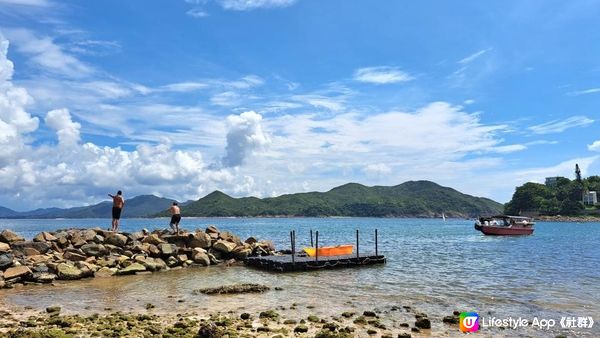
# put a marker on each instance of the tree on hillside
(569, 207)
(593, 183)
(530, 196)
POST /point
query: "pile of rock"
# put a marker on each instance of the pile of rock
(80, 253)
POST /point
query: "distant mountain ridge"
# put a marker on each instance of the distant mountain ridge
(409, 199)
(7, 213)
(139, 206)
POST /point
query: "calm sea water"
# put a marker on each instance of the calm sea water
(434, 266)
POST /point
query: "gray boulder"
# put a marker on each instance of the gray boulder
(224, 246)
(16, 272)
(116, 239)
(168, 249)
(211, 229)
(39, 247)
(93, 249)
(74, 256)
(200, 240)
(89, 235)
(201, 258)
(44, 237)
(8, 236)
(241, 252)
(105, 272)
(153, 239)
(6, 260)
(68, 271)
(43, 277)
(132, 269)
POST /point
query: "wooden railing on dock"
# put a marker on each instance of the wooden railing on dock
(296, 262)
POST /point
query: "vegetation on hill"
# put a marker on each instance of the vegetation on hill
(409, 199)
(562, 198)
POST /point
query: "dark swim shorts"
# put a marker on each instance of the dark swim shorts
(116, 213)
(175, 219)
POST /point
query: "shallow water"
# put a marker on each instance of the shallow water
(434, 266)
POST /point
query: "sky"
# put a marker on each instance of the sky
(266, 97)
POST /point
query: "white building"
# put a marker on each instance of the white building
(551, 181)
(590, 198)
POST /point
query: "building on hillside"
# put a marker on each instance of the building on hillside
(551, 181)
(590, 198)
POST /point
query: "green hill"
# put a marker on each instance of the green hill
(562, 197)
(409, 199)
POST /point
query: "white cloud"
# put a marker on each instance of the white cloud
(511, 148)
(473, 56)
(377, 169)
(66, 130)
(245, 137)
(28, 3)
(197, 13)
(94, 47)
(15, 122)
(184, 87)
(585, 91)
(107, 89)
(472, 69)
(75, 172)
(438, 129)
(245, 82)
(46, 54)
(244, 5)
(225, 99)
(595, 146)
(335, 104)
(381, 75)
(558, 126)
(565, 169)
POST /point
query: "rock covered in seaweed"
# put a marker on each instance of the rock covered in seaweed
(231, 289)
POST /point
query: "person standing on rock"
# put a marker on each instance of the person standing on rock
(118, 203)
(175, 217)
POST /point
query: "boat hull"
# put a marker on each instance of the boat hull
(504, 231)
(339, 250)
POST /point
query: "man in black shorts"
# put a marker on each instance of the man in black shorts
(118, 203)
(175, 217)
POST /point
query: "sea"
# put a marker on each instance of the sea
(433, 266)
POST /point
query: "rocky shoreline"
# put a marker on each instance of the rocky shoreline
(572, 219)
(279, 322)
(85, 253)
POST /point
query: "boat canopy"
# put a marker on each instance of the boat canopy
(507, 217)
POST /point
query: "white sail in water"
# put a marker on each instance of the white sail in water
(444, 217)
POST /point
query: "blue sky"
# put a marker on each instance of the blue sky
(265, 97)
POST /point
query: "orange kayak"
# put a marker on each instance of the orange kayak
(339, 250)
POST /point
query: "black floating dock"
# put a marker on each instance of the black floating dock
(301, 263)
(294, 262)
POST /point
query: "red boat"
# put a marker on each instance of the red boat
(503, 225)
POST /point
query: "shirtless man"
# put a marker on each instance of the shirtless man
(175, 217)
(118, 203)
